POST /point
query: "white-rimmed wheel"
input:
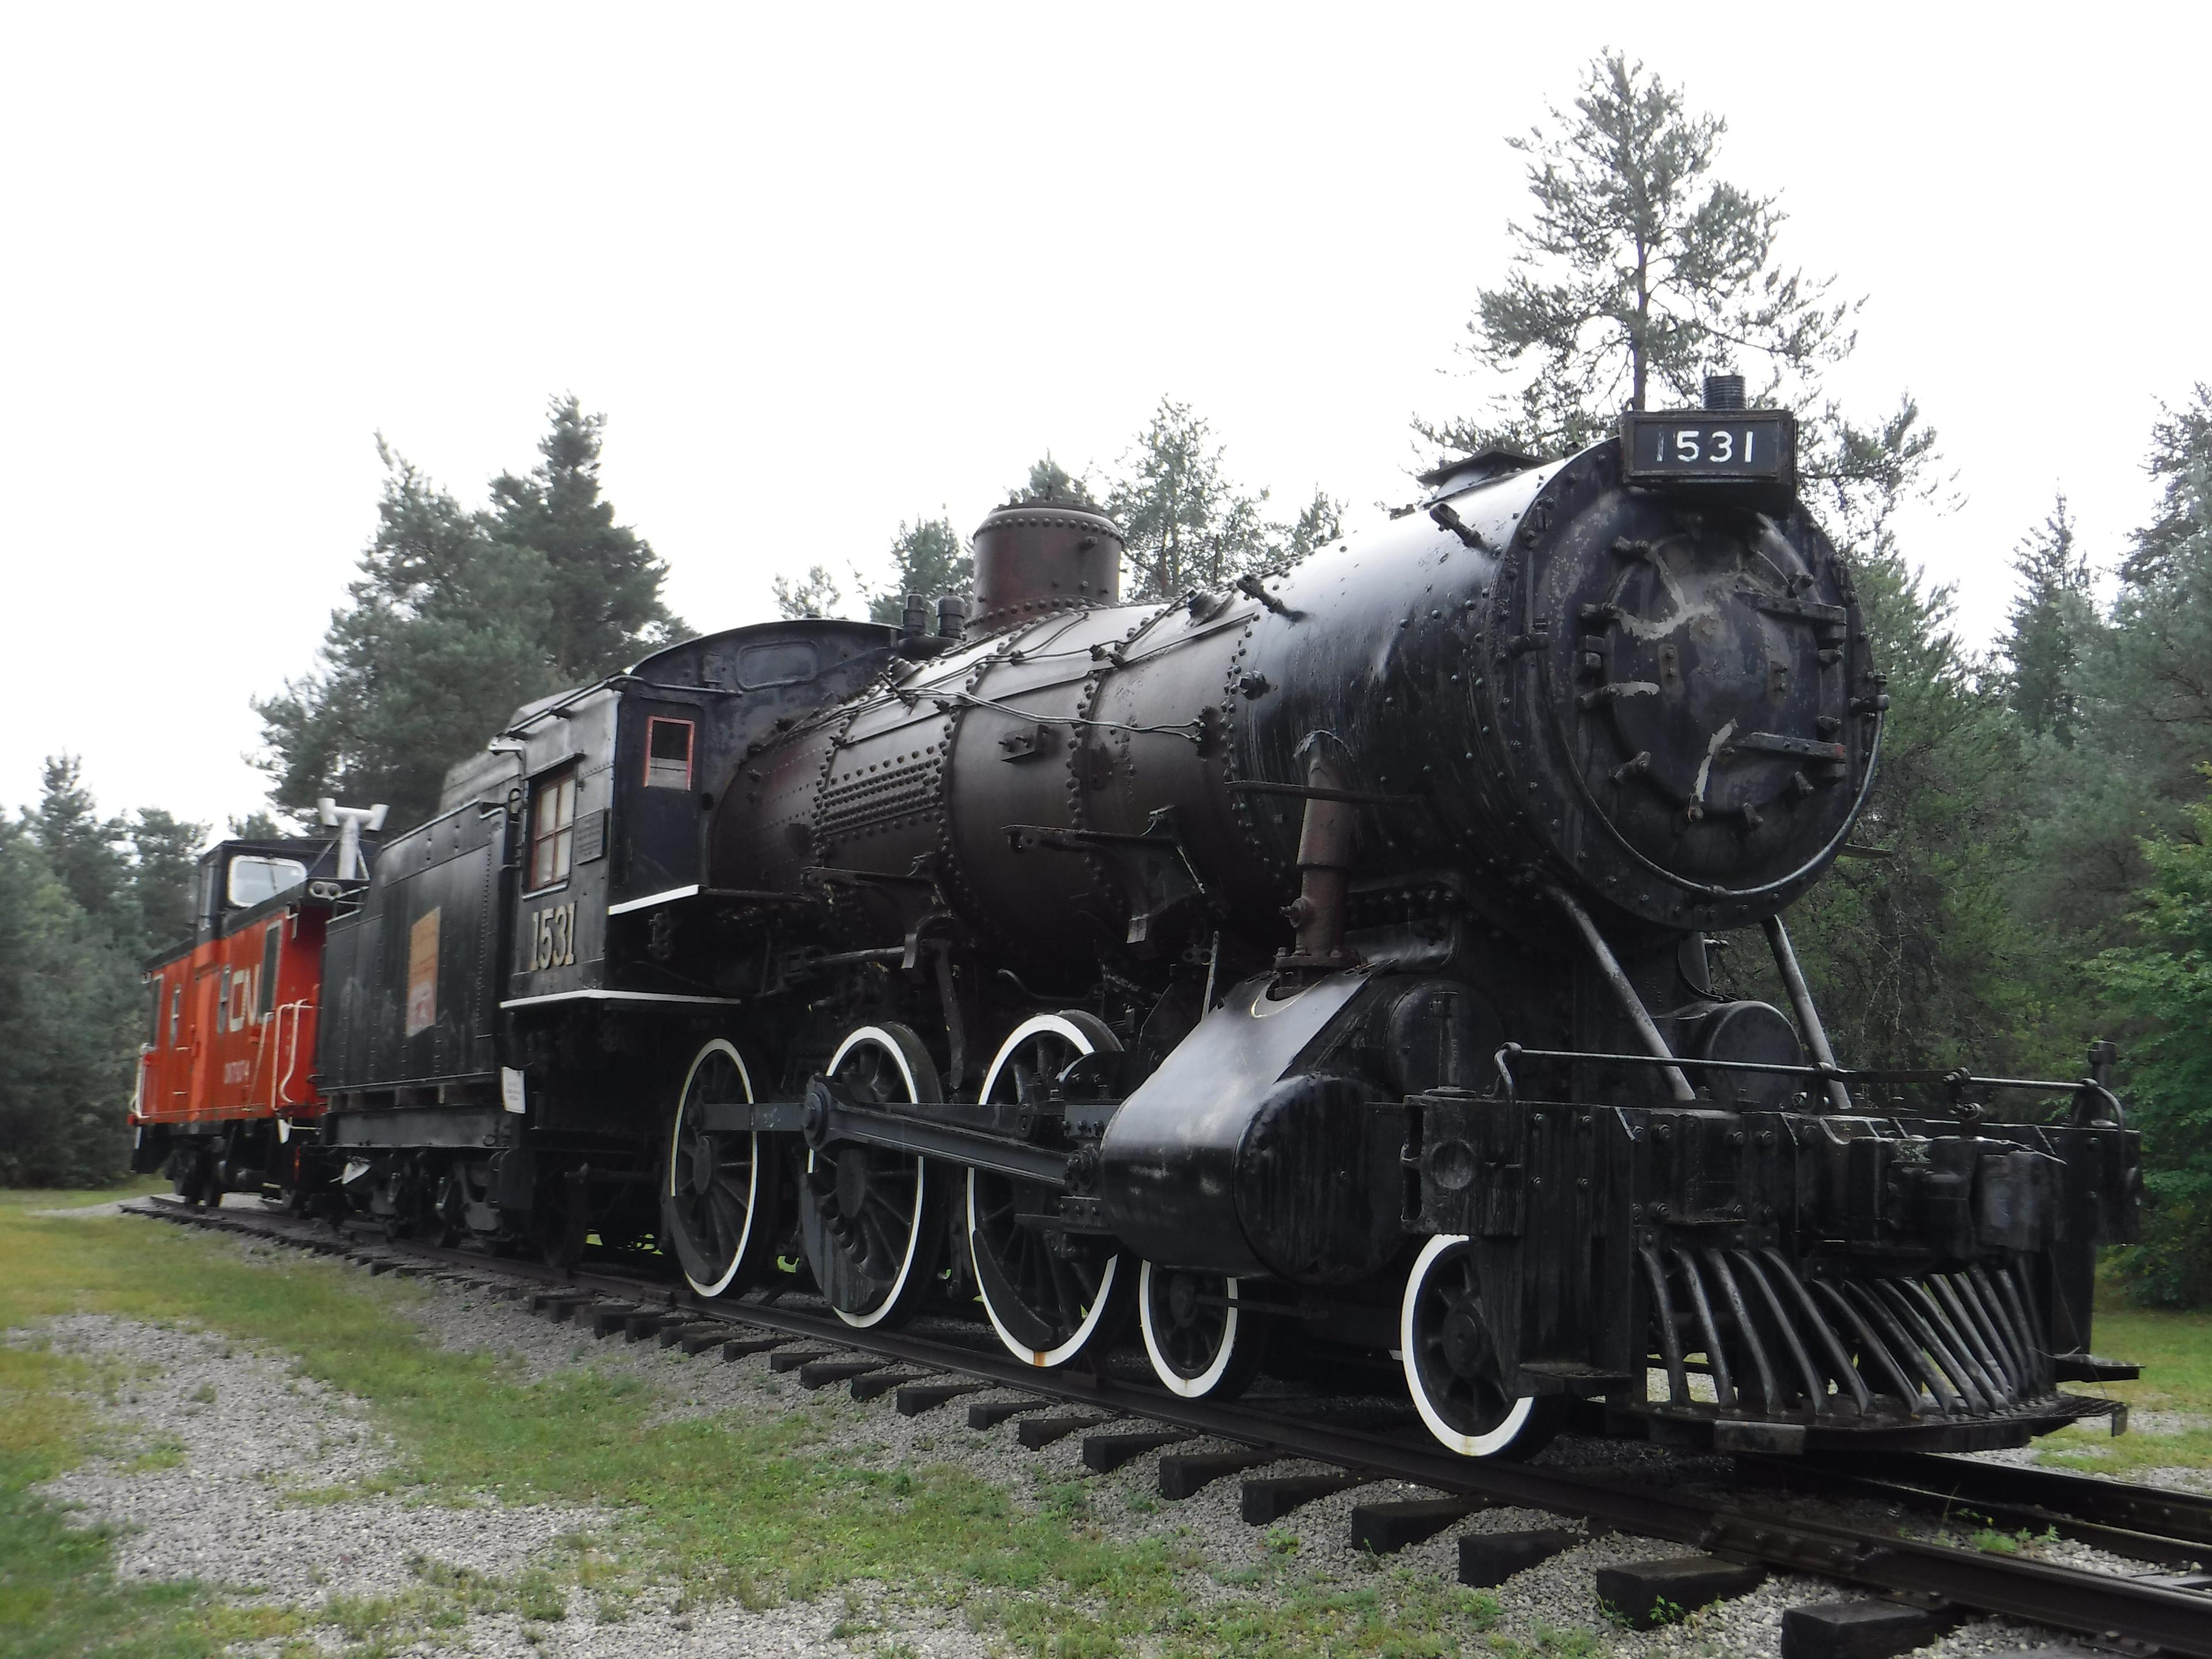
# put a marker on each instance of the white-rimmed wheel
(717, 1189)
(1050, 1295)
(873, 1219)
(1204, 1343)
(1451, 1362)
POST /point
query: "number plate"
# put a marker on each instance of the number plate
(1705, 446)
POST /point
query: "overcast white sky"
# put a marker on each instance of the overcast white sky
(825, 269)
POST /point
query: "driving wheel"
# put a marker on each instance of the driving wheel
(1051, 1295)
(872, 1219)
(718, 1191)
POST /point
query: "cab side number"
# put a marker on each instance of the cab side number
(553, 937)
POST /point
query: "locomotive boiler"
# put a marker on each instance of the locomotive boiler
(1321, 952)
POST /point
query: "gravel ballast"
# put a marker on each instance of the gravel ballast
(216, 1444)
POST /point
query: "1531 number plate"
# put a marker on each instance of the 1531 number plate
(1758, 447)
(552, 938)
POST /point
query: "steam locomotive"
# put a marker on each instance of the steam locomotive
(1324, 953)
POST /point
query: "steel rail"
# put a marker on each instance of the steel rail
(2146, 1523)
(2142, 1611)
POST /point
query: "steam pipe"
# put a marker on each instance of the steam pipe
(1631, 1004)
(1808, 1017)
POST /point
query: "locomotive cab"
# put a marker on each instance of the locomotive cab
(531, 965)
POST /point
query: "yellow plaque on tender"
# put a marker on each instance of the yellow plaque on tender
(422, 974)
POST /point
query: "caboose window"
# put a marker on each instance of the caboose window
(153, 1037)
(271, 943)
(667, 754)
(253, 879)
(176, 1012)
(553, 827)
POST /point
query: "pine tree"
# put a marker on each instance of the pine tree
(928, 557)
(84, 851)
(70, 1008)
(164, 856)
(2162, 988)
(1049, 481)
(1639, 273)
(2141, 689)
(459, 618)
(2180, 453)
(445, 637)
(1188, 525)
(2052, 615)
(84, 899)
(814, 594)
(1320, 522)
(605, 580)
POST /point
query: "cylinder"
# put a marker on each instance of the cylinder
(1035, 554)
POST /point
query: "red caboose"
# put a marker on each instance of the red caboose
(225, 1073)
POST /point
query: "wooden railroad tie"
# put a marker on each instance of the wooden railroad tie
(989, 1413)
(1386, 1527)
(737, 1347)
(1107, 1452)
(915, 1398)
(1185, 1475)
(1036, 1433)
(873, 1385)
(1487, 1560)
(790, 1359)
(821, 1373)
(1270, 1497)
(1863, 1629)
(1649, 1594)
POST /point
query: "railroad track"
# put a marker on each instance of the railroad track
(1922, 1585)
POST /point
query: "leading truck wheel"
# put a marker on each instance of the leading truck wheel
(1050, 1295)
(1204, 1343)
(717, 1191)
(1452, 1367)
(873, 1219)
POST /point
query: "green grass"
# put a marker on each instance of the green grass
(2175, 1350)
(721, 1507)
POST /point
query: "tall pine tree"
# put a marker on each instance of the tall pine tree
(2052, 617)
(456, 620)
(603, 578)
(1188, 525)
(1638, 272)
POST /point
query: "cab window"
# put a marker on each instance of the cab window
(667, 754)
(553, 827)
(254, 879)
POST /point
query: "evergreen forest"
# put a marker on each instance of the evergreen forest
(2033, 870)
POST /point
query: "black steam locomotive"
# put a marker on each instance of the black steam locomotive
(1323, 953)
